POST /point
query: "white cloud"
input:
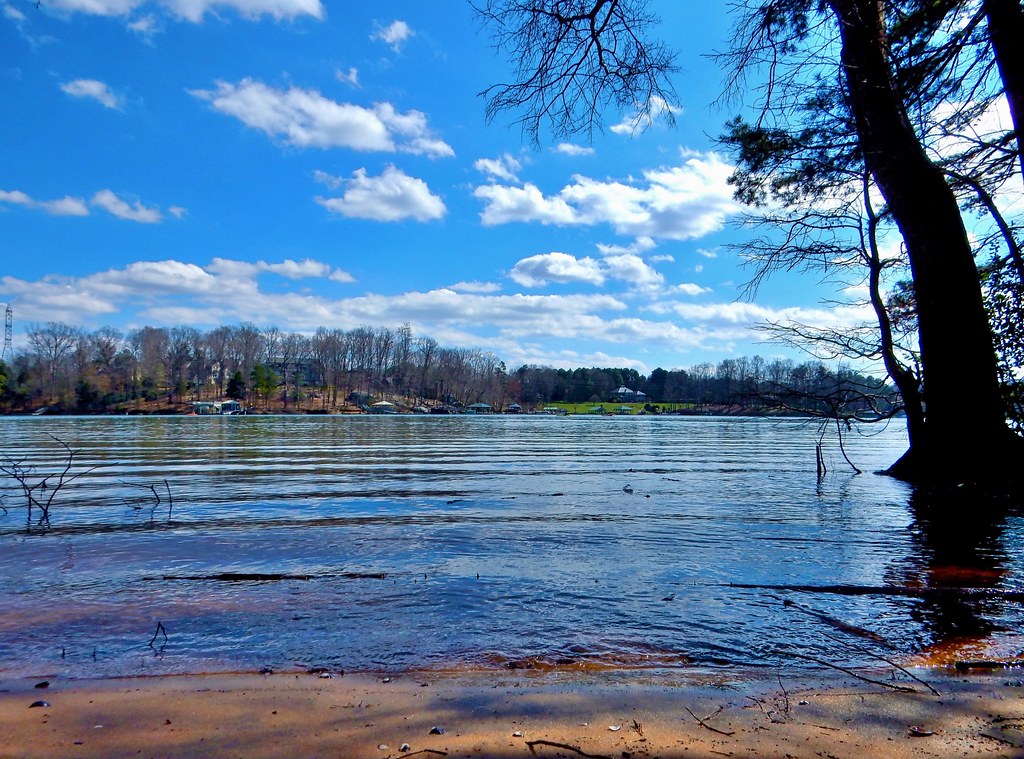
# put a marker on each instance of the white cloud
(224, 290)
(567, 148)
(305, 118)
(94, 89)
(638, 246)
(339, 275)
(640, 120)
(154, 277)
(682, 202)
(504, 167)
(394, 35)
(16, 197)
(749, 315)
(475, 287)
(307, 268)
(329, 180)
(707, 253)
(96, 7)
(66, 206)
(348, 77)
(540, 270)
(107, 200)
(195, 10)
(178, 212)
(690, 288)
(633, 270)
(526, 203)
(145, 26)
(392, 196)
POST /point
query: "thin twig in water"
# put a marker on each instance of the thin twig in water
(554, 744)
(428, 751)
(785, 695)
(705, 725)
(159, 629)
(848, 671)
(21, 473)
(887, 660)
(170, 501)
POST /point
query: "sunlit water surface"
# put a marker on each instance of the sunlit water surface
(397, 543)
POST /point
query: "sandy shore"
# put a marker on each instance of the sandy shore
(508, 714)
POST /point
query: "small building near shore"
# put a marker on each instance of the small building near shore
(626, 395)
(217, 408)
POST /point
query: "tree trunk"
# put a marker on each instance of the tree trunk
(1006, 32)
(964, 435)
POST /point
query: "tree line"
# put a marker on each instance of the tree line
(77, 370)
(74, 370)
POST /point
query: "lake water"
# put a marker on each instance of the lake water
(395, 543)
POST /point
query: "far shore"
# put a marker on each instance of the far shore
(513, 714)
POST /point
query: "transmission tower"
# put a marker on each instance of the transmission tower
(8, 333)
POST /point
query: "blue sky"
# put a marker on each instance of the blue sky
(298, 163)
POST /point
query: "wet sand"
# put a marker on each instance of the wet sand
(509, 714)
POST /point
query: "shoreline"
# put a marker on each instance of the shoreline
(512, 714)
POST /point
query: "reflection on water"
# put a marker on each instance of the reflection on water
(961, 565)
(401, 542)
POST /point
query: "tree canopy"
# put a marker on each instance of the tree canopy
(862, 123)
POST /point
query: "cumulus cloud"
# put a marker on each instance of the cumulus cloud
(392, 196)
(73, 206)
(475, 287)
(543, 269)
(526, 203)
(305, 118)
(504, 167)
(749, 315)
(145, 26)
(230, 288)
(94, 90)
(567, 148)
(329, 180)
(195, 10)
(394, 35)
(638, 246)
(307, 268)
(153, 277)
(105, 199)
(348, 77)
(680, 202)
(562, 268)
(110, 202)
(690, 288)
(632, 270)
(66, 206)
(642, 119)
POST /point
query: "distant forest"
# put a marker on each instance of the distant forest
(70, 370)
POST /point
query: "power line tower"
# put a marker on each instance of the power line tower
(8, 334)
